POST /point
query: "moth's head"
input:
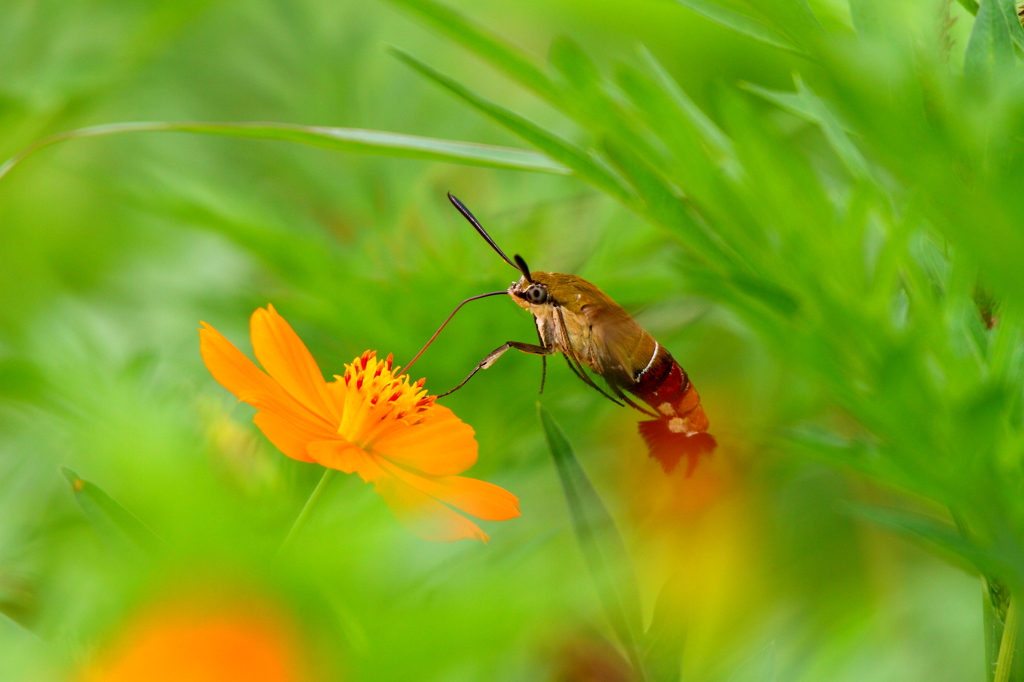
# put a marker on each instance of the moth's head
(533, 288)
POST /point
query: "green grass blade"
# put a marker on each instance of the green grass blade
(1008, 12)
(109, 518)
(665, 638)
(664, 204)
(489, 46)
(598, 105)
(808, 106)
(990, 48)
(353, 140)
(942, 538)
(740, 23)
(792, 102)
(711, 133)
(560, 150)
(603, 548)
(834, 132)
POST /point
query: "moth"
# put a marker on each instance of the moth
(591, 331)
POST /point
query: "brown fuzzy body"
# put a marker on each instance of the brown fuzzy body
(586, 325)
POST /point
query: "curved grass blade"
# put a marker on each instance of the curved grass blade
(665, 638)
(599, 104)
(943, 539)
(664, 205)
(555, 147)
(603, 549)
(741, 23)
(110, 520)
(341, 139)
(487, 45)
(808, 106)
(710, 132)
(834, 132)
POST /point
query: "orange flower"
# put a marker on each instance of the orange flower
(200, 641)
(370, 421)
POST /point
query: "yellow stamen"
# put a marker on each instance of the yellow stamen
(377, 400)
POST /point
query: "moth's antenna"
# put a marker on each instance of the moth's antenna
(523, 268)
(445, 324)
(479, 228)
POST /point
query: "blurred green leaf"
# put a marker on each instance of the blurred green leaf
(990, 48)
(741, 23)
(808, 106)
(761, 667)
(20, 379)
(663, 201)
(665, 637)
(108, 518)
(995, 600)
(485, 44)
(594, 103)
(938, 535)
(712, 134)
(555, 147)
(1008, 9)
(340, 139)
(970, 5)
(602, 546)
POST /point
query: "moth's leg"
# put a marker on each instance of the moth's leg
(497, 353)
(578, 370)
(622, 396)
(543, 361)
(574, 363)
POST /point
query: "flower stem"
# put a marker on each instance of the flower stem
(303, 516)
(1009, 643)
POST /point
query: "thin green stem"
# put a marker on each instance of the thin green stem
(993, 625)
(303, 516)
(1008, 644)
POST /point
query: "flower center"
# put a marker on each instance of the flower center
(376, 401)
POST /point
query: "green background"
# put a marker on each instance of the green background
(113, 249)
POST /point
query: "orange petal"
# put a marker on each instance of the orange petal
(475, 497)
(282, 353)
(441, 444)
(238, 374)
(339, 454)
(282, 433)
(419, 512)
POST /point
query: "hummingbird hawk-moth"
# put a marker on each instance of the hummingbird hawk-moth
(590, 330)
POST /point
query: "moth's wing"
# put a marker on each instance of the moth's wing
(601, 333)
(622, 347)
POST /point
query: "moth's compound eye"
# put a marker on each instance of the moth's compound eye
(537, 295)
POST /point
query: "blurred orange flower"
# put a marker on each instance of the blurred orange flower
(370, 421)
(204, 641)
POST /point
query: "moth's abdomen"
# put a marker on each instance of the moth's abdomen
(681, 428)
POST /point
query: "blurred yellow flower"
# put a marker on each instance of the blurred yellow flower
(370, 421)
